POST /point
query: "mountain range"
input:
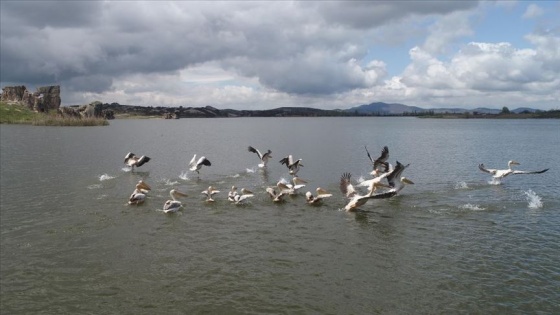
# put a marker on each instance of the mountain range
(380, 108)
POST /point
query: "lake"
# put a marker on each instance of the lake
(454, 242)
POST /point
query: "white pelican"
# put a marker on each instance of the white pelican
(293, 166)
(173, 205)
(239, 198)
(356, 200)
(499, 174)
(132, 160)
(209, 193)
(292, 188)
(195, 164)
(381, 160)
(395, 181)
(321, 194)
(264, 157)
(277, 196)
(138, 196)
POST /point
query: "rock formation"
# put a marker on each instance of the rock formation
(42, 100)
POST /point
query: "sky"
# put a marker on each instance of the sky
(268, 54)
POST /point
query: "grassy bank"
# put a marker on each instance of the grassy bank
(19, 114)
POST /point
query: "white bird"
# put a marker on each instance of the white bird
(132, 160)
(209, 193)
(321, 194)
(357, 200)
(238, 198)
(499, 174)
(376, 182)
(380, 163)
(293, 187)
(293, 166)
(173, 205)
(277, 196)
(195, 164)
(138, 196)
(263, 157)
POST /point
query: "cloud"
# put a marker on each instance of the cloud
(533, 11)
(263, 54)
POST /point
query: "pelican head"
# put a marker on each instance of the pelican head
(406, 180)
(512, 162)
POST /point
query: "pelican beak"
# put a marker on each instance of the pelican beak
(143, 185)
(515, 163)
(180, 194)
(406, 180)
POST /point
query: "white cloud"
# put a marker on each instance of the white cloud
(533, 11)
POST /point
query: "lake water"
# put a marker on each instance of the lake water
(452, 243)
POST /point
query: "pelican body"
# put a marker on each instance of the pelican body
(499, 174)
(263, 157)
(138, 196)
(132, 160)
(173, 205)
(209, 192)
(238, 198)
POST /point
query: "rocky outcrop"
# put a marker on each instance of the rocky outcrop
(42, 100)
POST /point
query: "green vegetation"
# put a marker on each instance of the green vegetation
(19, 114)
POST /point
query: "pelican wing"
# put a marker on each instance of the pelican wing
(486, 170)
(203, 161)
(289, 160)
(530, 172)
(346, 186)
(395, 174)
(251, 149)
(143, 159)
(192, 163)
(384, 195)
(128, 156)
(381, 159)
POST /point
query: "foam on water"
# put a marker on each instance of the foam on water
(461, 185)
(495, 181)
(105, 177)
(250, 170)
(168, 182)
(126, 169)
(184, 175)
(533, 199)
(473, 207)
(94, 186)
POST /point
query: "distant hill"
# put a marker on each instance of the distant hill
(380, 108)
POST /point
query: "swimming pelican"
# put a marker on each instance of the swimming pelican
(499, 174)
(196, 165)
(277, 196)
(321, 194)
(132, 160)
(264, 157)
(239, 198)
(138, 196)
(173, 205)
(209, 193)
(293, 167)
(380, 161)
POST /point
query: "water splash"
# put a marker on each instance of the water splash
(361, 179)
(105, 177)
(535, 201)
(250, 170)
(126, 169)
(461, 185)
(184, 175)
(168, 182)
(472, 207)
(495, 181)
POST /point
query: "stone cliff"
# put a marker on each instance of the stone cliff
(42, 100)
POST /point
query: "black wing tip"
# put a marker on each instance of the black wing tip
(251, 149)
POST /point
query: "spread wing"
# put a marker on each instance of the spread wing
(346, 186)
(486, 170)
(530, 172)
(381, 160)
(251, 149)
(395, 174)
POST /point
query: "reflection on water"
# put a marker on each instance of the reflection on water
(450, 243)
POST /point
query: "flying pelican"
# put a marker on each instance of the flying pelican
(173, 205)
(321, 194)
(264, 157)
(209, 193)
(293, 166)
(381, 160)
(499, 174)
(138, 196)
(277, 196)
(292, 188)
(132, 160)
(196, 165)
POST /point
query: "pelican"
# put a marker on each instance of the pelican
(239, 198)
(321, 194)
(195, 164)
(357, 200)
(396, 181)
(499, 174)
(209, 193)
(381, 160)
(277, 196)
(173, 205)
(264, 157)
(292, 188)
(132, 160)
(293, 167)
(138, 196)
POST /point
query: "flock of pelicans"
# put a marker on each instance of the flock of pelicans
(386, 177)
